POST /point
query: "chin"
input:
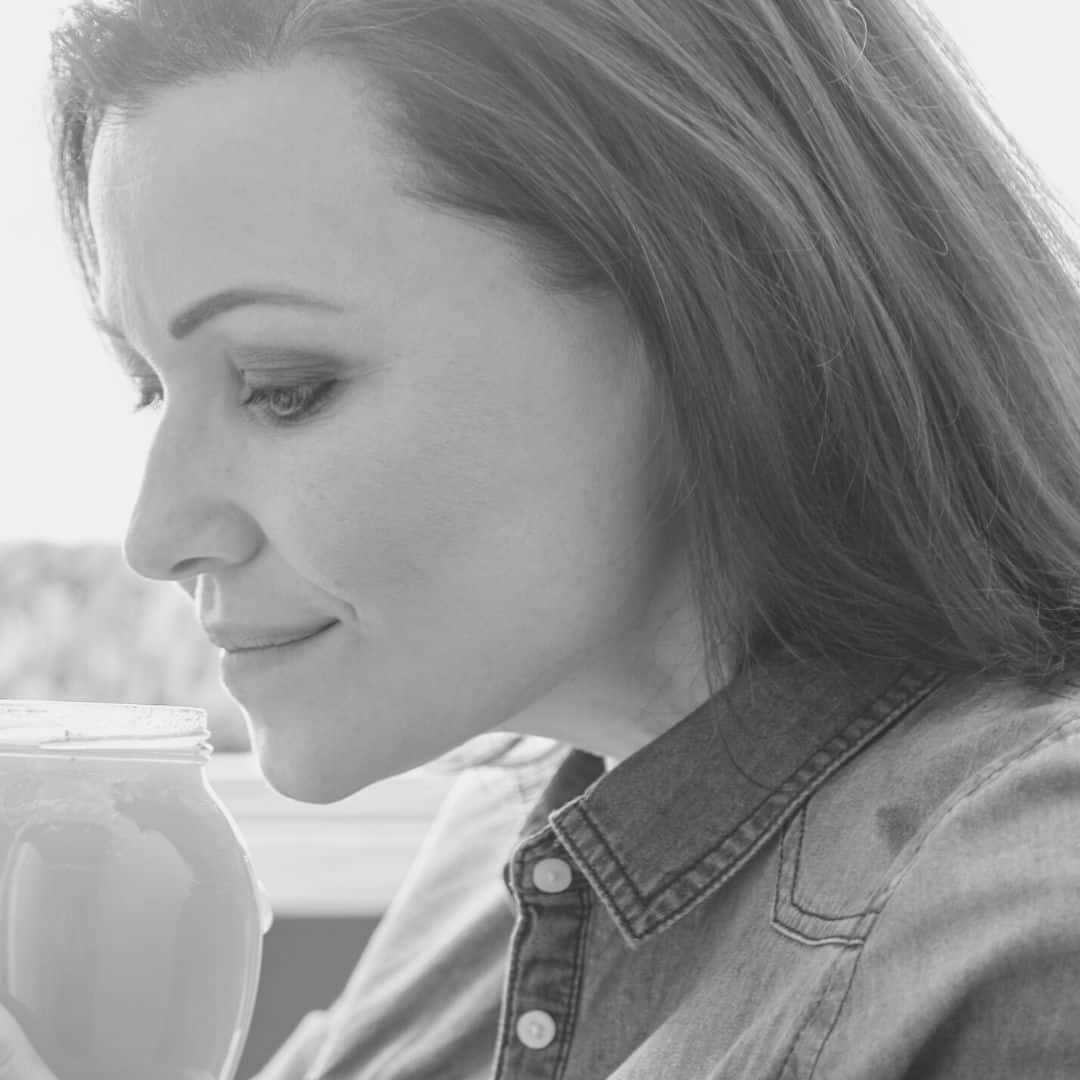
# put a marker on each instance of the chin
(300, 777)
(309, 788)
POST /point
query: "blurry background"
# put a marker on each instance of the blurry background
(75, 623)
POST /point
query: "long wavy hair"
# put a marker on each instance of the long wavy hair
(859, 298)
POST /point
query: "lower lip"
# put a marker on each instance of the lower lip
(272, 658)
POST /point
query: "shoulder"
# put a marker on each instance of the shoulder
(969, 964)
(862, 828)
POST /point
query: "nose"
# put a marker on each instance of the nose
(188, 519)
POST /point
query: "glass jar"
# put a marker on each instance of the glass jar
(131, 919)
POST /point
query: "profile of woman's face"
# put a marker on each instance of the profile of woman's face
(441, 464)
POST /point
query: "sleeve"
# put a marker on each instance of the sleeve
(971, 969)
(424, 998)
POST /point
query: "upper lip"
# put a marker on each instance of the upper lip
(235, 638)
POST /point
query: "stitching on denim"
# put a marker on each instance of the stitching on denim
(908, 701)
(792, 901)
(512, 997)
(717, 883)
(782, 894)
(578, 978)
(846, 941)
(1055, 734)
(780, 864)
(798, 854)
(597, 884)
(812, 1014)
(839, 1010)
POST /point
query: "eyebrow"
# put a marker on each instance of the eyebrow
(210, 307)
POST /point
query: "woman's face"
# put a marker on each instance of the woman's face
(451, 474)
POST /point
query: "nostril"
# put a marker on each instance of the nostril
(187, 569)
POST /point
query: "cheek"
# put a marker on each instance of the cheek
(387, 517)
(424, 510)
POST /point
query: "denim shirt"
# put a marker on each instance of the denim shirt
(823, 876)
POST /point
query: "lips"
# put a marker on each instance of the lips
(248, 664)
(237, 639)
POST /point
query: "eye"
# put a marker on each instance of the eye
(290, 404)
(280, 405)
(149, 395)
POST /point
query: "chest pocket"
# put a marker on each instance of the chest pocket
(821, 897)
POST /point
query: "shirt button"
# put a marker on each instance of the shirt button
(536, 1029)
(552, 875)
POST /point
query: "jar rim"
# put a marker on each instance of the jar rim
(31, 723)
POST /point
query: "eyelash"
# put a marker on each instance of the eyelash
(313, 396)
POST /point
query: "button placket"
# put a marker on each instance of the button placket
(542, 992)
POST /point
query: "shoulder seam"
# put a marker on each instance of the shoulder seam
(1066, 728)
(984, 778)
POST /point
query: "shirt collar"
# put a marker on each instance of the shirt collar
(675, 820)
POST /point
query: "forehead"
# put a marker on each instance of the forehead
(283, 174)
